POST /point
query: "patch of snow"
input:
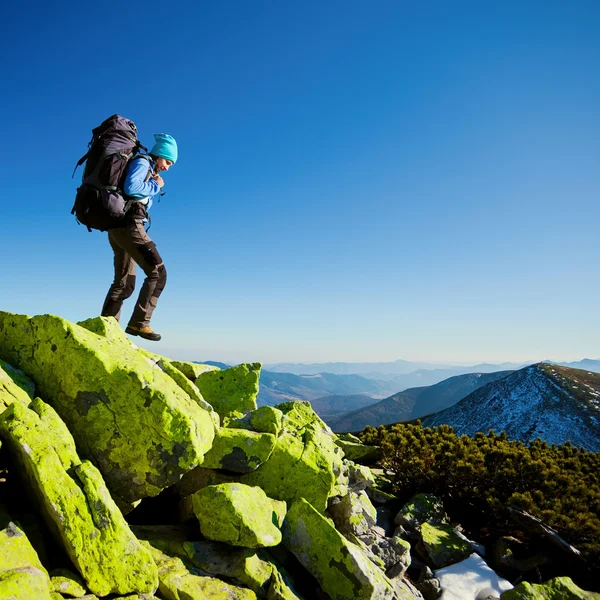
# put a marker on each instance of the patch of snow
(466, 579)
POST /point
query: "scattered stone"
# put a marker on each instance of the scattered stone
(441, 546)
(279, 588)
(359, 476)
(22, 575)
(231, 392)
(76, 503)
(349, 437)
(341, 568)
(239, 450)
(419, 509)
(353, 513)
(128, 416)
(67, 583)
(393, 552)
(239, 515)
(559, 588)
(429, 585)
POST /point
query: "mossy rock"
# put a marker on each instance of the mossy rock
(559, 588)
(75, 502)
(239, 515)
(341, 568)
(139, 427)
(22, 575)
(231, 392)
(239, 450)
(242, 566)
(67, 583)
(360, 453)
(15, 386)
(305, 462)
(176, 582)
(419, 509)
(442, 546)
(193, 370)
(353, 513)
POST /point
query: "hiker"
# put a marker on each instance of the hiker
(132, 245)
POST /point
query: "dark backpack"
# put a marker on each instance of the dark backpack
(100, 202)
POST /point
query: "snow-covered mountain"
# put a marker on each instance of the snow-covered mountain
(412, 403)
(544, 401)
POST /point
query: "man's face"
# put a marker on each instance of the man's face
(162, 164)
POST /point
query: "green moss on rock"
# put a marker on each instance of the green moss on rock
(237, 514)
(176, 582)
(231, 392)
(239, 450)
(341, 568)
(305, 461)
(68, 583)
(193, 370)
(442, 546)
(15, 386)
(419, 509)
(360, 453)
(559, 588)
(267, 419)
(127, 415)
(22, 575)
(76, 503)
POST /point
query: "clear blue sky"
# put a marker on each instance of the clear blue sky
(357, 180)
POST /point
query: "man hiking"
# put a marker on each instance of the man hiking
(132, 245)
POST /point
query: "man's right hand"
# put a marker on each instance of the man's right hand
(158, 179)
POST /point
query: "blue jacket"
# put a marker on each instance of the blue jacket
(137, 185)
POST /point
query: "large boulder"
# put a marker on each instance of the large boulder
(441, 545)
(239, 515)
(305, 462)
(176, 582)
(239, 450)
(231, 392)
(341, 568)
(75, 502)
(559, 588)
(22, 575)
(15, 386)
(125, 413)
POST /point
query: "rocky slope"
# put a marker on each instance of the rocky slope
(413, 403)
(124, 474)
(543, 401)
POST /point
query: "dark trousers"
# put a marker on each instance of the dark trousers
(132, 245)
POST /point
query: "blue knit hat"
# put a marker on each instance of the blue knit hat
(165, 147)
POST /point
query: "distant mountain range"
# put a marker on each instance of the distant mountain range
(281, 387)
(418, 373)
(412, 403)
(544, 401)
(388, 370)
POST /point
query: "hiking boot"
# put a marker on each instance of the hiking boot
(146, 332)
